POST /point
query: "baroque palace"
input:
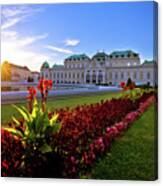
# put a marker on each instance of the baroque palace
(102, 68)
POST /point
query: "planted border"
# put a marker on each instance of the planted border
(86, 133)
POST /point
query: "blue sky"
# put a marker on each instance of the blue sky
(32, 34)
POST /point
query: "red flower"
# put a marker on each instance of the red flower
(122, 84)
(5, 164)
(32, 93)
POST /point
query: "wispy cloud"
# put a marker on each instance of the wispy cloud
(71, 42)
(58, 49)
(29, 40)
(13, 15)
(11, 22)
(18, 48)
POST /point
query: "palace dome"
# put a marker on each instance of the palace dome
(45, 65)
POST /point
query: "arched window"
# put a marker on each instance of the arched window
(88, 78)
(128, 74)
(148, 75)
(128, 64)
(110, 75)
(50, 75)
(122, 75)
(141, 75)
(78, 75)
(134, 75)
(116, 75)
(94, 78)
(100, 77)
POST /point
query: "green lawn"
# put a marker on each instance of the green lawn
(133, 155)
(7, 111)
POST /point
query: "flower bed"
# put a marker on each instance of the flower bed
(86, 133)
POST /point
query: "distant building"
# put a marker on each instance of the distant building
(35, 76)
(102, 68)
(16, 73)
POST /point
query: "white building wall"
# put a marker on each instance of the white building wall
(113, 71)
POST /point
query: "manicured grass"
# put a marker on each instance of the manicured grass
(133, 155)
(7, 111)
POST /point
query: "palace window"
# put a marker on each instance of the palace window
(78, 75)
(116, 75)
(94, 78)
(69, 75)
(73, 75)
(128, 64)
(110, 75)
(88, 78)
(100, 78)
(65, 75)
(122, 75)
(54, 75)
(148, 75)
(134, 75)
(57, 75)
(61, 75)
(141, 75)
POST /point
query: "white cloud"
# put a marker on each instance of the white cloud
(11, 22)
(18, 10)
(57, 49)
(71, 42)
(32, 39)
(16, 50)
(13, 15)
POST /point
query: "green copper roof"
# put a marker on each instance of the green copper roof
(147, 62)
(100, 55)
(55, 65)
(45, 65)
(77, 57)
(123, 53)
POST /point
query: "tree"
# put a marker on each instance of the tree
(129, 82)
(6, 71)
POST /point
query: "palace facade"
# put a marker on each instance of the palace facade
(102, 68)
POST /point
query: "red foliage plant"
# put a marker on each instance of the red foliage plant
(44, 86)
(32, 94)
(87, 132)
